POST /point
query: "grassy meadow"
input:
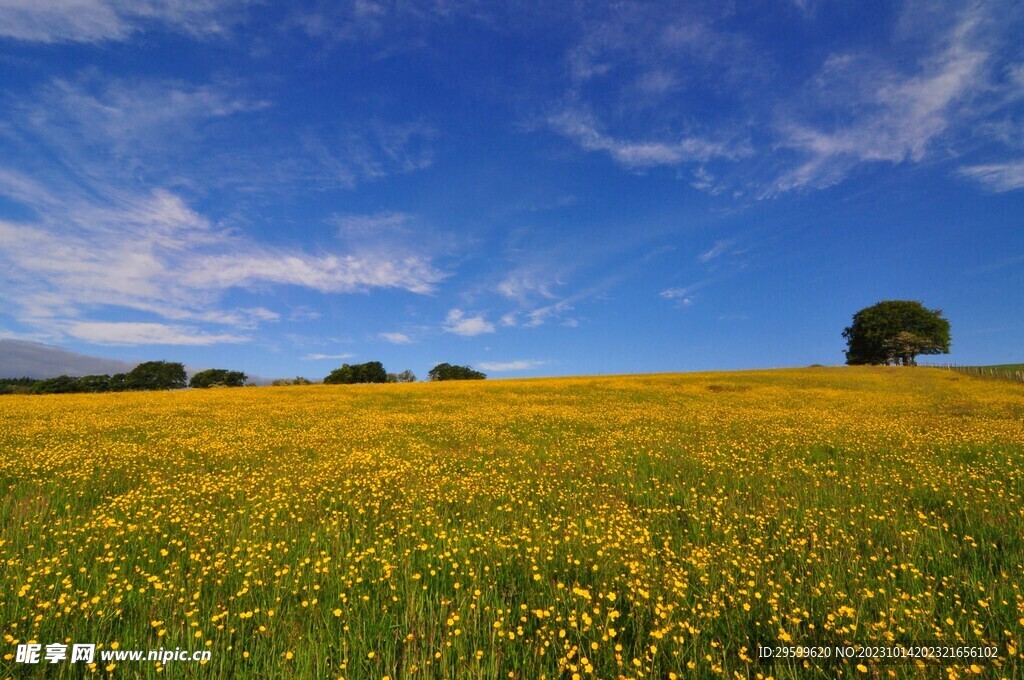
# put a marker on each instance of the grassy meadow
(615, 527)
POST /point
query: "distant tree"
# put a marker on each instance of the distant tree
(156, 375)
(405, 376)
(17, 385)
(118, 382)
(218, 377)
(19, 382)
(95, 383)
(297, 380)
(895, 332)
(62, 384)
(450, 372)
(370, 372)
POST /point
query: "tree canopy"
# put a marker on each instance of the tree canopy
(449, 372)
(156, 375)
(218, 377)
(152, 375)
(895, 332)
(370, 372)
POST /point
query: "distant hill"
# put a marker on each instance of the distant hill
(21, 358)
(25, 359)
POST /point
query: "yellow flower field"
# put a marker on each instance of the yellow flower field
(623, 527)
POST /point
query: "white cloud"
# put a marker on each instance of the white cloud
(93, 243)
(584, 131)
(500, 366)
(134, 333)
(997, 176)
(321, 357)
(681, 296)
(458, 323)
(153, 253)
(107, 20)
(325, 273)
(396, 338)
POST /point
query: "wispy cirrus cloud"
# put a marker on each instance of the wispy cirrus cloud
(583, 129)
(656, 52)
(682, 297)
(153, 254)
(324, 357)
(128, 125)
(304, 313)
(107, 233)
(367, 151)
(529, 281)
(355, 226)
(717, 250)
(203, 137)
(642, 81)
(94, 21)
(503, 366)
(331, 273)
(883, 111)
(137, 333)
(635, 71)
(997, 176)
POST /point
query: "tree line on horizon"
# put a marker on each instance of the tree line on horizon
(891, 332)
(373, 372)
(147, 376)
(167, 375)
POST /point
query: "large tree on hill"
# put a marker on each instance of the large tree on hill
(155, 375)
(370, 372)
(895, 332)
(449, 372)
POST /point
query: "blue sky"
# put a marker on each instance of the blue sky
(529, 188)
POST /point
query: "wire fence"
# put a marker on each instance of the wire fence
(985, 371)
